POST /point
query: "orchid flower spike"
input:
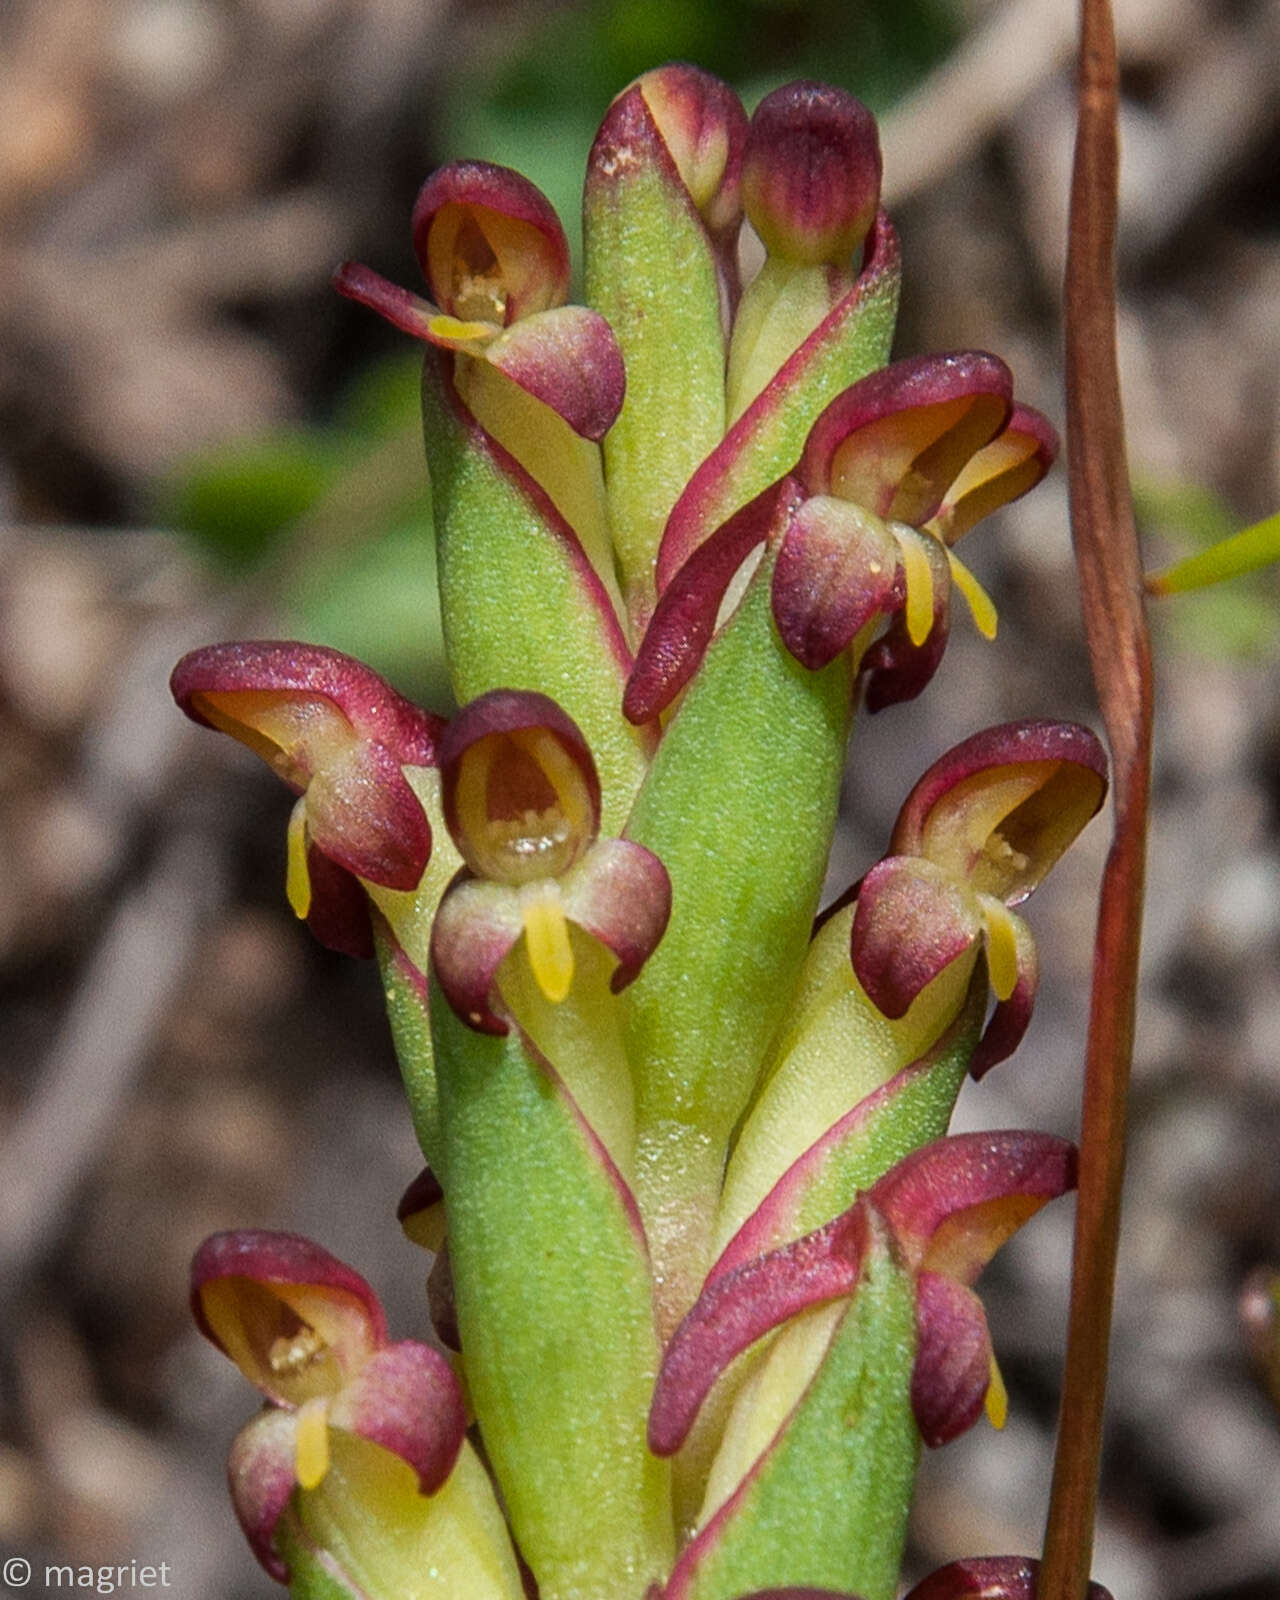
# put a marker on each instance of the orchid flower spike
(522, 802)
(496, 261)
(349, 747)
(310, 1335)
(976, 836)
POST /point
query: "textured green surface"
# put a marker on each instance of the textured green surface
(517, 613)
(651, 273)
(555, 1310)
(739, 805)
(828, 1506)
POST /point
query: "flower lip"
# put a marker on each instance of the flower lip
(519, 788)
(490, 244)
(1001, 807)
(811, 173)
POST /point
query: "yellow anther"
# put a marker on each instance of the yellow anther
(456, 331)
(1002, 947)
(311, 1442)
(996, 1403)
(919, 580)
(547, 940)
(297, 878)
(981, 606)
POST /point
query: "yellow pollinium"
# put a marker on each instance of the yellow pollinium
(297, 877)
(546, 934)
(919, 581)
(311, 1442)
(996, 1403)
(981, 606)
(1002, 947)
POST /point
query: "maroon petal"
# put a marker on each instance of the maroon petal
(742, 1306)
(952, 1204)
(898, 439)
(477, 223)
(912, 919)
(895, 669)
(621, 894)
(811, 173)
(339, 911)
(364, 815)
(1064, 769)
(689, 128)
(400, 307)
(569, 359)
(297, 1322)
(953, 1358)
(684, 620)
(261, 1477)
(407, 1400)
(331, 727)
(1001, 472)
(837, 567)
(1010, 1018)
(372, 707)
(988, 1578)
(476, 926)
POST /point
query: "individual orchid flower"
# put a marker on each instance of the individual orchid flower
(496, 261)
(310, 1335)
(893, 471)
(879, 1324)
(542, 379)
(357, 754)
(975, 837)
(522, 802)
(989, 1578)
(810, 188)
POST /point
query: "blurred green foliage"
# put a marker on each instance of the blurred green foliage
(337, 521)
(1231, 620)
(535, 100)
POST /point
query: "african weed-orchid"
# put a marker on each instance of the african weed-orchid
(704, 1257)
(357, 754)
(915, 1241)
(892, 472)
(522, 801)
(355, 1425)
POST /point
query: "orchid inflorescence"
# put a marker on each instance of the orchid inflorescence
(705, 1252)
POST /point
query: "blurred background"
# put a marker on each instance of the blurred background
(199, 440)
